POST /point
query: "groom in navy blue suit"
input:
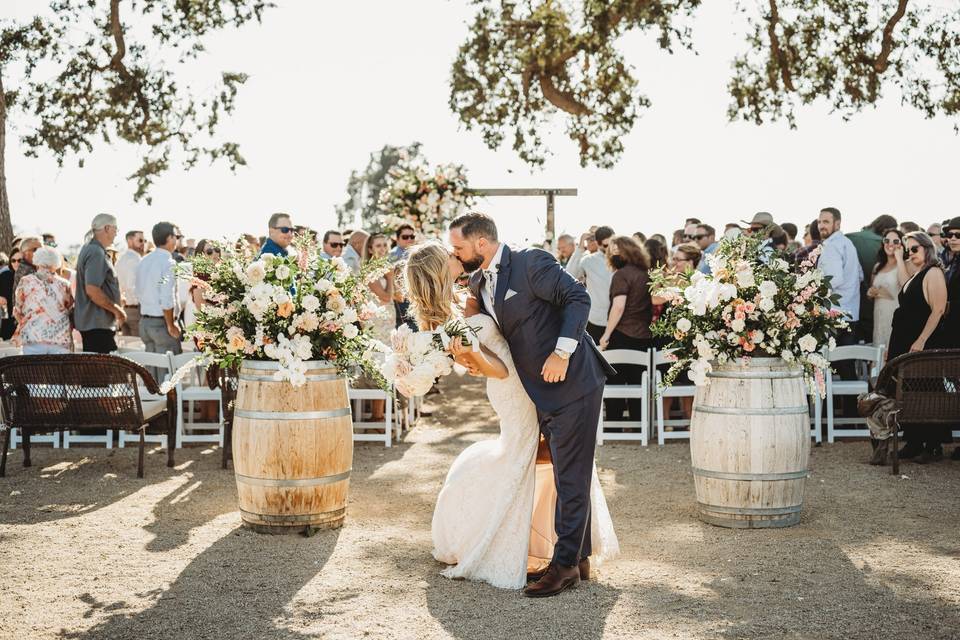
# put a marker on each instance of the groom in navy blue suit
(542, 312)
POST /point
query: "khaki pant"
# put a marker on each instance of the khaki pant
(132, 326)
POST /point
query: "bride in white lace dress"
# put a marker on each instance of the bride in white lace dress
(494, 516)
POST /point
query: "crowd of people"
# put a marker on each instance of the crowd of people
(898, 285)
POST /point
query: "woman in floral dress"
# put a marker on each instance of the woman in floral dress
(42, 308)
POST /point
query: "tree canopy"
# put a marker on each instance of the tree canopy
(105, 71)
(363, 187)
(526, 63)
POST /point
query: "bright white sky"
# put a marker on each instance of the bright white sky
(332, 82)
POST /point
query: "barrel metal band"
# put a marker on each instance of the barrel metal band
(310, 378)
(306, 518)
(272, 365)
(748, 511)
(291, 415)
(735, 411)
(293, 482)
(728, 475)
(754, 375)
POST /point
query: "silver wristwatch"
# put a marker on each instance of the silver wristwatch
(563, 355)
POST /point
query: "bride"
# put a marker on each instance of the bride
(494, 519)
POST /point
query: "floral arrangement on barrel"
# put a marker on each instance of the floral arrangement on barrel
(426, 199)
(291, 309)
(417, 359)
(754, 304)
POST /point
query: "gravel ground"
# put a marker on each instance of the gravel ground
(88, 551)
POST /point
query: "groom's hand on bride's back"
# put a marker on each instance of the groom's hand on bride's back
(554, 369)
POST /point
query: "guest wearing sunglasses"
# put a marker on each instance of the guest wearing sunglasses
(706, 239)
(923, 300)
(889, 273)
(280, 235)
(333, 244)
(156, 283)
(404, 238)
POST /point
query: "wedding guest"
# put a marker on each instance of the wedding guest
(253, 243)
(677, 238)
(639, 236)
(378, 246)
(868, 243)
(42, 309)
(659, 237)
(205, 250)
(909, 227)
(8, 324)
(686, 257)
(792, 245)
(839, 260)
(127, 276)
(332, 244)
(98, 311)
(157, 290)
(760, 221)
(28, 246)
(280, 235)
(405, 237)
(49, 240)
(566, 245)
(354, 250)
(593, 245)
(935, 231)
(811, 239)
(594, 271)
(923, 300)
(948, 335)
(631, 312)
(888, 275)
(658, 260)
(706, 239)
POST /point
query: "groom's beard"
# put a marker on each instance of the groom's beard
(471, 265)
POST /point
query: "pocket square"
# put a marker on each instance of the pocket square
(510, 294)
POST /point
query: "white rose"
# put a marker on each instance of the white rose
(281, 297)
(683, 324)
(745, 278)
(349, 315)
(737, 325)
(310, 303)
(781, 265)
(350, 331)
(698, 372)
(256, 272)
(768, 289)
(766, 304)
(757, 337)
(808, 343)
(282, 272)
(787, 356)
(733, 339)
(323, 285)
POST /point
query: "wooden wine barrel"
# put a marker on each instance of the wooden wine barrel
(292, 448)
(750, 444)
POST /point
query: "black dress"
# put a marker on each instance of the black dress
(947, 335)
(8, 325)
(908, 322)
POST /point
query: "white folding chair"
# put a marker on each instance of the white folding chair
(192, 388)
(660, 357)
(129, 343)
(640, 358)
(152, 403)
(869, 353)
(357, 397)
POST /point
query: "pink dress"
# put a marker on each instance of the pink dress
(42, 310)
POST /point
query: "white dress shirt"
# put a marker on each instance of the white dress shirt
(157, 284)
(593, 271)
(838, 258)
(127, 276)
(488, 288)
(352, 258)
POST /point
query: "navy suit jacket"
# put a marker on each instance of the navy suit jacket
(536, 302)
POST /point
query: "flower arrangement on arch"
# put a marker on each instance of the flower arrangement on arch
(424, 198)
(753, 304)
(291, 309)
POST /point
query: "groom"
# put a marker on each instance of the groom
(542, 312)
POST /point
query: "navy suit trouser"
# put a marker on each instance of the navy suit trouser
(572, 435)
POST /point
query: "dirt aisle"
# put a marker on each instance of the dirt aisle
(88, 551)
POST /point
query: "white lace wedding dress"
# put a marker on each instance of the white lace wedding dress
(483, 523)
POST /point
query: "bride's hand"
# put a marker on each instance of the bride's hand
(457, 349)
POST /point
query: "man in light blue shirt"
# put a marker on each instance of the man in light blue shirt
(706, 238)
(156, 285)
(838, 259)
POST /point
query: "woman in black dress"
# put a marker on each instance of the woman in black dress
(923, 300)
(8, 325)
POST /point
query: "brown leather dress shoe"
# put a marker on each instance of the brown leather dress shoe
(584, 567)
(555, 580)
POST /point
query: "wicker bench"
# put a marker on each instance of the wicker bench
(926, 386)
(81, 392)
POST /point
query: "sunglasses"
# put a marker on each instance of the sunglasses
(408, 237)
(605, 245)
(210, 252)
(178, 237)
(284, 229)
(337, 245)
(914, 249)
(15, 261)
(891, 241)
(952, 235)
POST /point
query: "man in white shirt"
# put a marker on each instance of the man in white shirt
(592, 270)
(157, 291)
(127, 275)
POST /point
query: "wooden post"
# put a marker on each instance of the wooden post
(550, 194)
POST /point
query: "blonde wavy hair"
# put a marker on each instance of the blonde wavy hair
(429, 285)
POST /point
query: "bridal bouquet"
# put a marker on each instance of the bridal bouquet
(425, 198)
(752, 305)
(290, 309)
(417, 359)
